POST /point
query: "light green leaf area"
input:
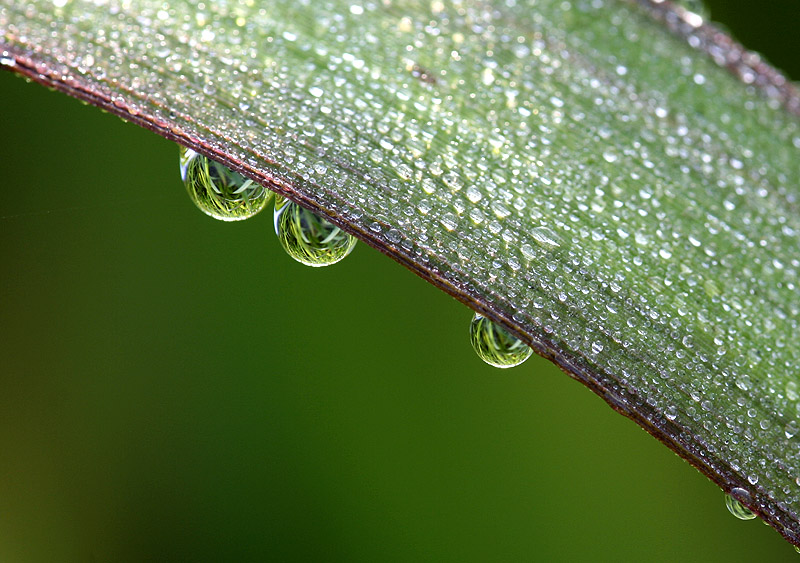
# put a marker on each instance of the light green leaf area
(572, 169)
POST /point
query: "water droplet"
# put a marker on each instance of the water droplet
(792, 391)
(737, 508)
(309, 238)
(7, 60)
(545, 237)
(695, 7)
(495, 345)
(218, 191)
(743, 382)
(449, 221)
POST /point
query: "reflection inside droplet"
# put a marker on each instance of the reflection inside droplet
(495, 345)
(309, 238)
(218, 191)
(738, 509)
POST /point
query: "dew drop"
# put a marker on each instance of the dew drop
(545, 237)
(737, 508)
(696, 8)
(792, 391)
(218, 191)
(449, 221)
(743, 382)
(309, 238)
(428, 185)
(495, 345)
(610, 157)
(528, 252)
(473, 194)
(453, 181)
(7, 60)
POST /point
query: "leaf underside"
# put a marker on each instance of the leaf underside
(624, 202)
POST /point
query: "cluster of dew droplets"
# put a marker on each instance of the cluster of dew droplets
(226, 195)
(312, 240)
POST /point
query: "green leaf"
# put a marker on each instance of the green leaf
(624, 203)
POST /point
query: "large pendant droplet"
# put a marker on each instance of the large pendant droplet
(495, 345)
(737, 508)
(308, 238)
(218, 191)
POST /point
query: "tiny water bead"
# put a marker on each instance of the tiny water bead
(218, 191)
(495, 345)
(309, 238)
(695, 6)
(738, 509)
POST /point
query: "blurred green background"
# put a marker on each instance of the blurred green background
(177, 389)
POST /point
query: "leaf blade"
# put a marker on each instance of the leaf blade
(453, 146)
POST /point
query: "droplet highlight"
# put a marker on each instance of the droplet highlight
(7, 60)
(696, 8)
(738, 509)
(219, 191)
(495, 345)
(309, 238)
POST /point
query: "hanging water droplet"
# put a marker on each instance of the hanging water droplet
(218, 191)
(309, 238)
(495, 345)
(697, 7)
(7, 60)
(737, 508)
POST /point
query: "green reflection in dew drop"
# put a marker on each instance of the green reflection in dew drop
(495, 345)
(309, 238)
(738, 509)
(218, 191)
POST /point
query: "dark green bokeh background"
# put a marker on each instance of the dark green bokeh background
(177, 389)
